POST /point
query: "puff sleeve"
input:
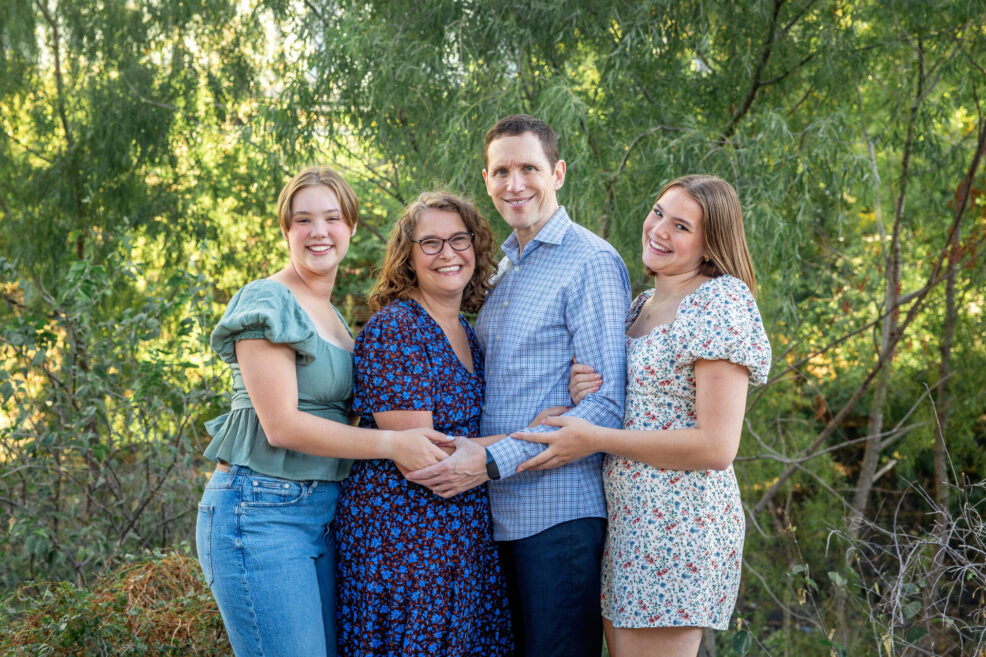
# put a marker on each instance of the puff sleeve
(723, 323)
(266, 310)
(392, 371)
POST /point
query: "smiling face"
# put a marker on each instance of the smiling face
(318, 236)
(446, 273)
(673, 236)
(522, 182)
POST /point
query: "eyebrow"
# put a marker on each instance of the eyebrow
(514, 163)
(430, 237)
(674, 218)
(326, 211)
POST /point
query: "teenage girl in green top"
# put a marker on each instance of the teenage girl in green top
(263, 533)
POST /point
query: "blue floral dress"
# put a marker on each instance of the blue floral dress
(674, 549)
(418, 574)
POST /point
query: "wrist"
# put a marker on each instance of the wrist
(492, 471)
(388, 443)
(597, 439)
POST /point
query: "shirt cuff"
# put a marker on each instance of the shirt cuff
(509, 452)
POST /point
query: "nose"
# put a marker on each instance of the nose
(515, 181)
(320, 227)
(661, 226)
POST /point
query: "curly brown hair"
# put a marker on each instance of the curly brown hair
(397, 277)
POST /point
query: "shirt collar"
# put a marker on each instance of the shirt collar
(553, 232)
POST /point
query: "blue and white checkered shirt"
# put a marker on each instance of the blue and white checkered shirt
(567, 294)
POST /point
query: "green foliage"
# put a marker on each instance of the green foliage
(142, 146)
(99, 452)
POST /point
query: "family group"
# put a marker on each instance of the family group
(571, 454)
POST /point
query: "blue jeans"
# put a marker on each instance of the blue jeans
(553, 587)
(267, 553)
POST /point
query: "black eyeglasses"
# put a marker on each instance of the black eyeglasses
(434, 245)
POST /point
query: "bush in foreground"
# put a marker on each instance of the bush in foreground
(152, 607)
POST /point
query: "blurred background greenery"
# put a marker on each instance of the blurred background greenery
(142, 147)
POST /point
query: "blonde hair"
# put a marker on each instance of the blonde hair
(397, 277)
(722, 220)
(318, 176)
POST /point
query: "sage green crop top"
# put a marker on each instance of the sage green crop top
(267, 309)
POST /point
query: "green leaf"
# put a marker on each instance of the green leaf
(742, 641)
(916, 633)
(911, 610)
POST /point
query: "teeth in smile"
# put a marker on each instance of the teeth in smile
(657, 247)
(320, 248)
(449, 269)
(518, 201)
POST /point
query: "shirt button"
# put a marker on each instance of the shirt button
(498, 337)
(506, 303)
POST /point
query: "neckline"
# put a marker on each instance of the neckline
(677, 311)
(448, 344)
(312, 322)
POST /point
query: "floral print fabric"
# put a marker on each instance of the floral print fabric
(675, 544)
(417, 574)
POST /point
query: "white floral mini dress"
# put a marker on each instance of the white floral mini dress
(675, 544)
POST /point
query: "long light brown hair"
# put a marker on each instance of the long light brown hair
(397, 277)
(722, 221)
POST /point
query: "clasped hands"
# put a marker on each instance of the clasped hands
(465, 466)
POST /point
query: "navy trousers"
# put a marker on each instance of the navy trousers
(553, 587)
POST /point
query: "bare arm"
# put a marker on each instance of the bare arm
(720, 404)
(269, 374)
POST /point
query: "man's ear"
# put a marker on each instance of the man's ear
(559, 173)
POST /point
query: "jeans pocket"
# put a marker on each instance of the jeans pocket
(203, 540)
(268, 492)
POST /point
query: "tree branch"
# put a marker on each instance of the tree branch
(933, 278)
(59, 83)
(755, 84)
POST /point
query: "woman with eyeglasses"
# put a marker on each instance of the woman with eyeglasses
(419, 574)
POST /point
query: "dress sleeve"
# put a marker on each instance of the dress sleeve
(391, 362)
(724, 324)
(264, 310)
(635, 307)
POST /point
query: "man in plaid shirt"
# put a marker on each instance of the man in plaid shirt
(560, 292)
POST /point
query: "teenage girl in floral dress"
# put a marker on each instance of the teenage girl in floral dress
(695, 341)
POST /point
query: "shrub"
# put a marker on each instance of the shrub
(153, 606)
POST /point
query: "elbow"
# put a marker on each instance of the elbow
(720, 463)
(723, 455)
(276, 439)
(277, 435)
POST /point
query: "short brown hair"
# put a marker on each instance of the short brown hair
(318, 176)
(518, 124)
(722, 221)
(397, 278)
